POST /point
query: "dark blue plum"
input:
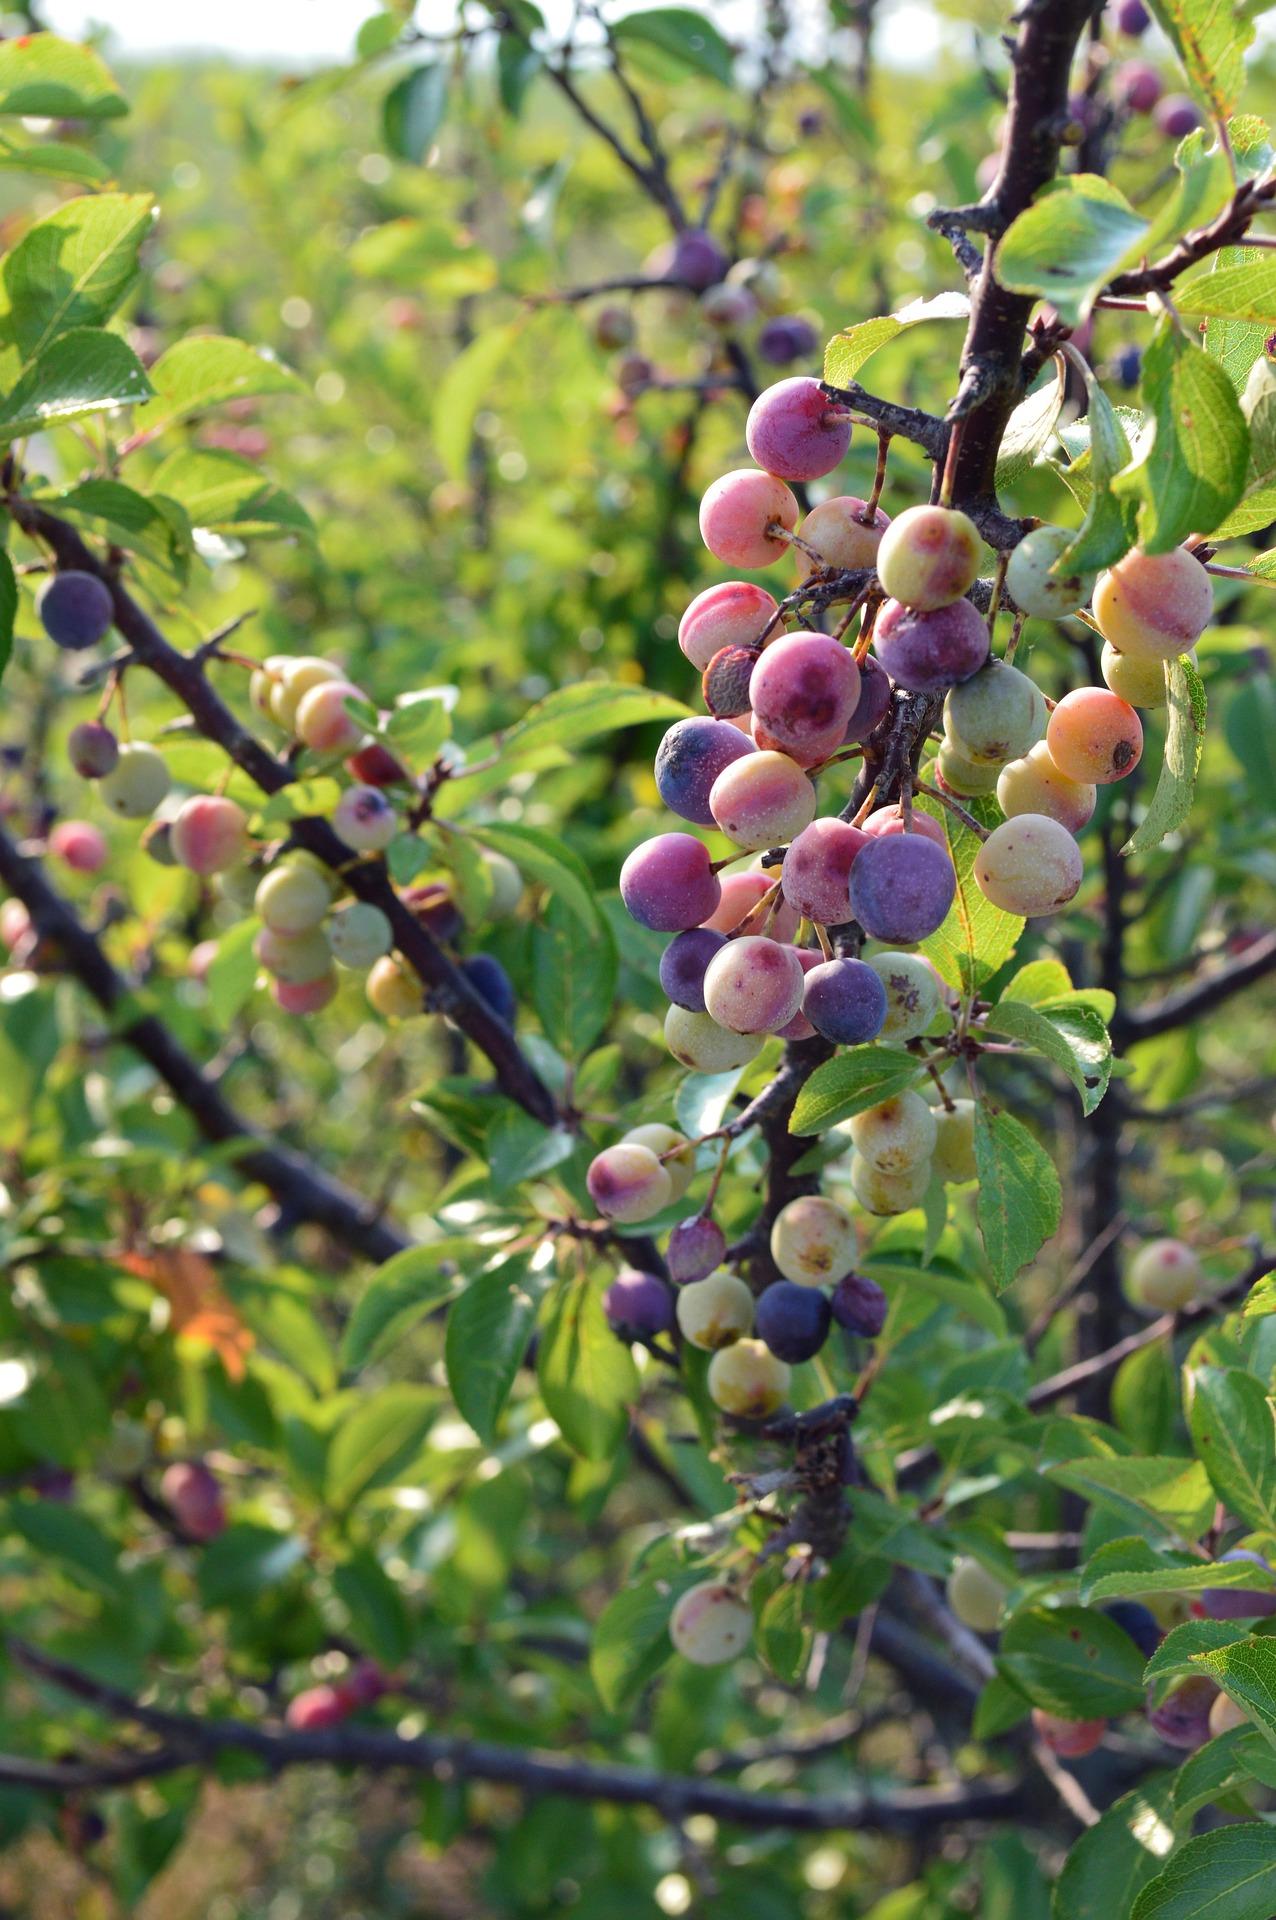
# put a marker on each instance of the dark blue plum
(902, 886)
(786, 338)
(689, 760)
(1129, 366)
(683, 964)
(638, 1304)
(875, 697)
(1240, 1603)
(1139, 1622)
(74, 609)
(845, 1000)
(491, 982)
(860, 1306)
(793, 1321)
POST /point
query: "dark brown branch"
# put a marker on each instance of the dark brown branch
(925, 430)
(1191, 1003)
(1228, 230)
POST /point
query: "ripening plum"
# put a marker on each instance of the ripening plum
(996, 715)
(1154, 605)
(738, 515)
(1035, 785)
(507, 884)
(955, 773)
(753, 985)
(613, 328)
(293, 681)
(796, 432)
(714, 1312)
(1094, 736)
(75, 609)
(700, 1043)
(928, 558)
(209, 834)
(793, 1321)
(860, 1305)
(694, 1249)
(373, 765)
(747, 1380)
(1240, 1603)
(1033, 585)
(1177, 115)
(138, 781)
(79, 845)
(728, 308)
(638, 1304)
(759, 801)
(803, 691)
(954, 1157)
(393, 990)
(668, 883)
(292, 898)
(1138, 681)
(817, 870)
(627, 1182)
(813, 1240)
(359, 934)
(492, 984)
(294, 957)
(673, 1150)
(733, 614)
(845, 1001)
(192, 1494)
(897, 1134)
(741, 893)
(975, 1595)
(1163, 1276)
(912, 993)
(316, 1709)
(889, 1193)
(786, 338)
(689, 760)
(433, 906)
(902, 886)
(799, 1027)
(710, 1624)
(926, 651)
(323, 720)
(843, 533)
(1029, 865)
(365, 820)
(1183, 1717)
(1225, 1716)
(1131, 17)
(304, 996)
(892, 819)
(1070, 1739)
(696, 259)
(683, 965)
(1137, 86)
(92, 749)
(874, 699)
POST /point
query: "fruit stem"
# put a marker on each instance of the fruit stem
(945, 799)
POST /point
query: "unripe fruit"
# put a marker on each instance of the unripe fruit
(1163, 1276)
(1036, 785)
(79, 845)
(786, 338)
(802, 692)
(1240, 1603)
(728, 308)
(318, 1708)
(296, 958)
(507, 884)
(753, 985)
(884, 821)
(860, 1306)
(816, 874)
(1183, 1718)
(912, 994)
(1029, 865)
(1070, 1739)
(845, 1001)
(293, 682)
(896, 1135)
(813, 1241)
(760, 801)
(746, 1380)
(393, 989)
(737, 515)
(137, 783)
(902, 886)
(796, 432)
(925, 652)
(954, 1155)
(673, 1150)
(262, 681)
(304, 996)
(157, 844)
(1031, 584)
(763, 279)
(1225, 1716)
(365, 820)
(628, 1183)
(359, 934)
(714, 1312)
(638, 1303)
(889, 1193)
(793, 1321)
(92, 749)
(700, 1043)
(15, 924)
(996, 715)
(688, 761)
(1094, 736)
(733, 614)
(433, 906)
(954, 773)
(1140, 682)
(75, 609)
(683, 965)
(194, 1498)
(840, 534)
(322, 720)
(668, 884)
(710, 1624)
(975, 1595)
(292, 898)
(209, 834)
(929, 557)
(1154, 605)
(694, 1249)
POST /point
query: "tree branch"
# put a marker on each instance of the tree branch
(1190, 1003)
(1228, 230)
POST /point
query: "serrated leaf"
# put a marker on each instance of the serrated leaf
(848, 351)
(976, 937)
(1072, 1662)
(1074, 1038)
(1020, 1201)
(519, 1147)
(488, 1331)
(1211, 38)
(1239, 291)
(1184, 741)
(1229, 1874)
(1246, 1671)
(1070, 242)
(551, 863)
(574, 978)
(1106, 1868)
(83, 371)
(45, 78)
(1231, 1420)
(378, 1616)
(222, 490)
(71, 269)
(586, 1376)
(56, 161)
(1107, 532)
(206, 370)
(685, 36)
(1188, 470)
(1132, 1569)
(1029, 428)
(1215, 1769)
(702, 1099)
(1178, 1651)
(858, 1078)
(400, 1293)
(1173, 1492)
(412, 112)
(378, 1441)
(156, 528)
(566, 718)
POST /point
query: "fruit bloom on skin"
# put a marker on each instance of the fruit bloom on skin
(1029, 865)
(209, 834)
(796, 432)
(840, 532)
(760, 801)
(738, 515)
(1154, 605)
(1070, 1739)
(79, 845)
(710, 1624)
(639, 1303)
(754, 985)
(714, 1312)
(816, 874)
(683, 965)
(668, 883)
(929, 557)
(926, 651)
(75, 609)
(813, 1241)
(688, 761)
(860, 1306)
(874, 699)
(695, 1247)
(1183, 1718)
(734, 614)
(793, 1321)
(746, 1379)
(627, 1182)
(802, 693)
(902, 886)
(845, 1001)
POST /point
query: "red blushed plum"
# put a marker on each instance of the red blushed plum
(683, 965)
(92, 749)
(1240, 1603)
(1035, 785)
(761, 801)
(741, 894)
(1154, 605)
(304, 996)
(734, 614)
(365, 820)
(194, 1498)
(884, 821)
(79, 845)
(928, 558)
(323, 720)
(375, 766)
(925, 652)
(638, 1304)
(786, 338)
(365, 1683)
(818, 748)
(753, 985)
(816, 874)
(793, 1321)
(689, 760)
(796, 432)
(845, 1001)
(627, 1182)
(1095, 736)
(1029, 865)
(318, 1708)
(874, 699)
(1137, 86)
(1070, 1739)
(668, 883)
(1183, 1717)
(210, 834)
(803, 691)
(843, 533)
(695, 1249)
(902, 886)
(860, 1306)
(710, 1624)
(799, 1027)
(739, 514)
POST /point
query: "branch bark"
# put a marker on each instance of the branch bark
(1191, 1003)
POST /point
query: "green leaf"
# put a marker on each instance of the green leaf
(1145, 1396)
(1237, 292)
(378, 1441)
(1189, 469)
(1112, 1861)
(1074, 1038)
(72, 1540)
(1258, 499)
(232, 972)
(976, 938)
(631, 1638)
(1229, 1874)
(1072, 1662)
(224, 491)
(938, 1278)
(1070, 242)
(155, 528)
(1029, 429)
(687, 37)
(702, 1099)
(1246, 1671)
(587, 1376)
(207, 369)
(488, 1331)
(784, 1638)
(1132, 1569)
(1184, 740)
(378, 1617)
(1261, 1298)
(399, 1294)
(1182, 1645)
(1020, 1201)
(412, 112)
(44, 78)
(72, 269)
(858, 1078)
(1215, 1769)
(56, 161)
(1231, 1419)
(245, 1562)
(1173, 1492)
(998, 1708)
(1107, 532)
(466, 385)
(551, 863)
(563, 719)
(1211, 38)
(517, 65)
(573, 978)
(519, 1148)
(80, 372)
(847, 351)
